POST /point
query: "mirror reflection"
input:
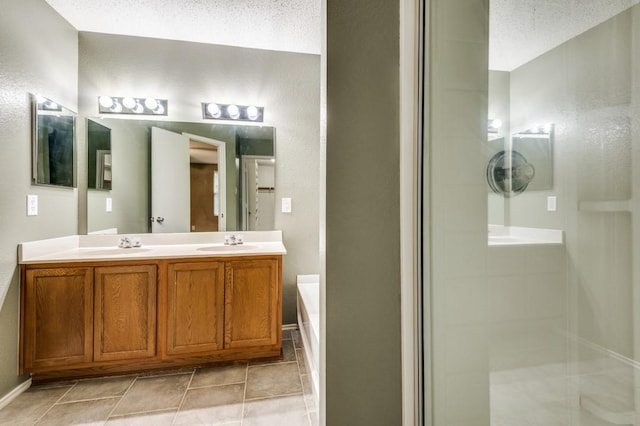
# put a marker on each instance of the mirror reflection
(53, 143)
(536, 145)
(183, 177)
(99, 156)
(525, 164)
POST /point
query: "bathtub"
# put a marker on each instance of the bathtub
(309, 325)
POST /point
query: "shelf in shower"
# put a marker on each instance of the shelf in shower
(605, 206)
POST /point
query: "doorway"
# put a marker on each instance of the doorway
(205, 186)
(187, 183)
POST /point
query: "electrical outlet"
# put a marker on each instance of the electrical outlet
(109, 204)
(32, 205)
(286, 205)
(552, 205)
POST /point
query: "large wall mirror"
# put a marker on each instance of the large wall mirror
(54, 143)
(183, 177)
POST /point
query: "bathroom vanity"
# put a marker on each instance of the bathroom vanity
(90, 308)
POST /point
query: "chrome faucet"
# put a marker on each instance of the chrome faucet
(125, 242)
(233, 239)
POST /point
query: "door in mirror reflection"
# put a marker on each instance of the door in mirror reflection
(187, 183)
(258, 183)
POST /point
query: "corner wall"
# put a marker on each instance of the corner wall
(39, 52)
(363, 352)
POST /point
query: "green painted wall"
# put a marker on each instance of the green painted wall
(363, 354)
(39, 52)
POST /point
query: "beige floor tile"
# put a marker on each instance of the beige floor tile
(98, 388)
(288, 355)
(302, 362)
(85, 413)
(30, 405)
(286, 334)
(216, 405)
(154, 393)
(297, 338)
(279, 411)
(222, 375)
(157, 418)
(266, 381)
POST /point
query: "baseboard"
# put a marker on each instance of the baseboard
(289, 327)
(5, 400)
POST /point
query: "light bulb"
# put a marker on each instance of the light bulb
(233, 111)
(138, 109)
(128, 102)
(252, 112)
(105, 101)
(151, 103)
(214, 110)
(116, 107)
(159, 109)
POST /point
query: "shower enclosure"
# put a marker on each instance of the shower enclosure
(533, 332)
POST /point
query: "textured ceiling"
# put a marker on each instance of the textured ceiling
(285, 25)
(521, 30)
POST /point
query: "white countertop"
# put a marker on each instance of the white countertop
(515, 235)
(91, 248)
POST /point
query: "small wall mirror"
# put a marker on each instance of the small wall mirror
(536, 145)
(54, 143)
(99, 156)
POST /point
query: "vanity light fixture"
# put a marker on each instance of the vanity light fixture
(130, 105)
(45, 104)
(494, 125)
(215, 111)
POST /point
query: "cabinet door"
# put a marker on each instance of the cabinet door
(195, 307)
(58, 317)
(125, 312)
(253, 311)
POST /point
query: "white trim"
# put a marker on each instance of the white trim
(409, 98)
(6, 400)
(286, 327)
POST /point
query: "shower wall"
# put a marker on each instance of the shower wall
(589, 89)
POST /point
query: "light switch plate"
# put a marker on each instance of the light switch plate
(32, 205)
(109, 204)
(286, 205)
(552, 204)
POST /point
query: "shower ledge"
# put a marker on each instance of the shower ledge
(605, 206)
(516, 235)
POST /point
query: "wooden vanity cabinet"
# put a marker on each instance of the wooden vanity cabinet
(124, 324)
(252, 304)
(88, 319)
(57, 318)
(195, 307)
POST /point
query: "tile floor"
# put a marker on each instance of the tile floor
(255, 393)
(585, 393)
